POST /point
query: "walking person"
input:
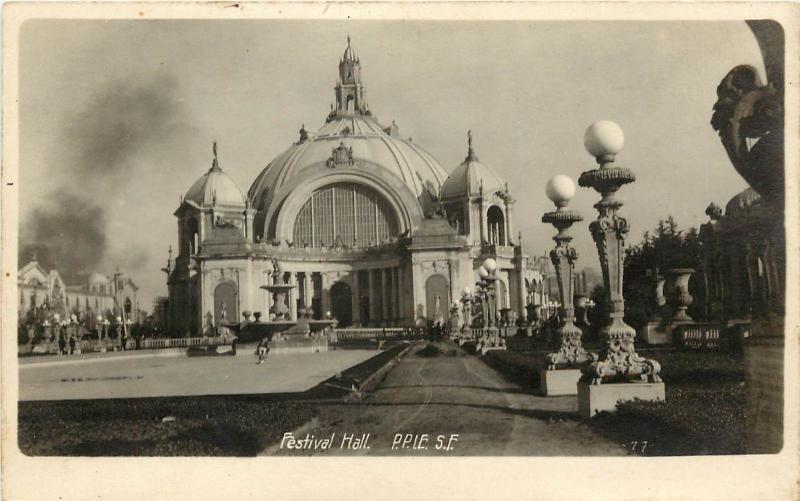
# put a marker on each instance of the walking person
(62, 345)
(72, 345)
(262, 350)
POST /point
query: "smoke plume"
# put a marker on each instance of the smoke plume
(103, 146)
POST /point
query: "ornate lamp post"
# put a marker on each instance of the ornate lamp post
(618, 361)
(561, 189)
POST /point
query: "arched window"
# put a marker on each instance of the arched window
(496, 225)
(346, 215)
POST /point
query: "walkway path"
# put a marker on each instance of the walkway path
(446, 395)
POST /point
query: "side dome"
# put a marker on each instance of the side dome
(470, 177)
(215, 188)
(742, 203)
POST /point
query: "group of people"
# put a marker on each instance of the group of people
(64, 341)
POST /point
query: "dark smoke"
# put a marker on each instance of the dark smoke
(68, 234)
(120, 124)
(105, 143)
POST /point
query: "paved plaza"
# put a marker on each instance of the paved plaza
(154, 375)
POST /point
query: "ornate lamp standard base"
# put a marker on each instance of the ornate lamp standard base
(562, 373)
(620, 374)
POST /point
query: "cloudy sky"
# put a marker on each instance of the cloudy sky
(117, 117)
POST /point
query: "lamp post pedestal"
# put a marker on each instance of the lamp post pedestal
(620, 374)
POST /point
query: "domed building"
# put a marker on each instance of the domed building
(365, 222)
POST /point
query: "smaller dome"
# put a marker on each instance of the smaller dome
(97, 279)
(741, 204)
(215, 187)
(468, 178)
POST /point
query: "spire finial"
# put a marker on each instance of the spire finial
(470, 151)
(348, 39)
(215, 163)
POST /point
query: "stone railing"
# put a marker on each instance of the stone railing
(472, 333)
(376, 333)
(94, 345)
(698, 337)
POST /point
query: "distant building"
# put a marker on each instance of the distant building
(41, 291)
(364, 222)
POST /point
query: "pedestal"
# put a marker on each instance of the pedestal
(557, 382)
(594, 398)
(656, 333)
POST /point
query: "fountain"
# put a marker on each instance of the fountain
(279, 319)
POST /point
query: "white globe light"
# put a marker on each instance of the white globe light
(56, 316)
(467, 291)
(490, 264)
(560, 188)
(482, 272)
(99, 318)
(119, 319)
(603, 138)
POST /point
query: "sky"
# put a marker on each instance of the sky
(117, 117)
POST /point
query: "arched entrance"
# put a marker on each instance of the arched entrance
(437, 299)
(225, 303)
(501, 295)
(342, 303)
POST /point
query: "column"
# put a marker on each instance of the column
(308, 288)
(248, 289)
(385, 315)
(356, 302)
(325, 293)
(401, 301)
(395, 297)
(417, 293)
(373, 298)
(293, 296)
(266, 300)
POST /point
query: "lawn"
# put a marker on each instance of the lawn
(704, 412)
(168, 426)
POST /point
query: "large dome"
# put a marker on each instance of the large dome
(352, 130)
(370, 144)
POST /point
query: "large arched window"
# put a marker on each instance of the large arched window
(497, 227)
(344, 214)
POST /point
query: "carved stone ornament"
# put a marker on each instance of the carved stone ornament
(341, 156)
(749, 118)
(570, 351)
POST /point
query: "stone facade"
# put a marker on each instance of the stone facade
(364, 222)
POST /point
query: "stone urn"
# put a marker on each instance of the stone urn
(676, 291)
